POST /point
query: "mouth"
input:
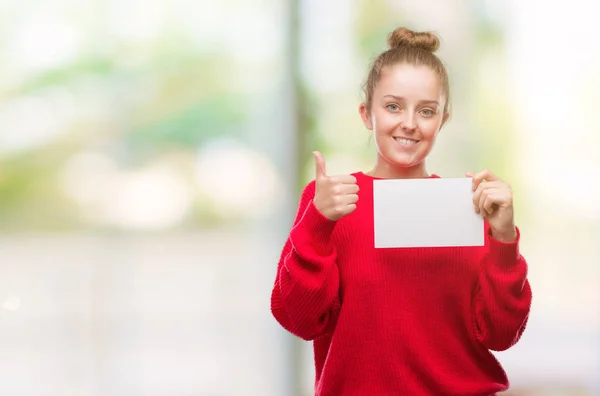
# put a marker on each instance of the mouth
(406, 141)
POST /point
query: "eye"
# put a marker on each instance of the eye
(427, 112)
(392, 107)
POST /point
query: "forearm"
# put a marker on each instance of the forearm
(503, 299)
(306, 308)
(305, 294)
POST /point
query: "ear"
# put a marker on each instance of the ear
(366, 117)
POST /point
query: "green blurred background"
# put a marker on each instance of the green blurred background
(152, 153)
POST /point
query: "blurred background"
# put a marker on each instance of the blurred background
(152, 153)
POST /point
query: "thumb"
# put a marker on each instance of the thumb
(471, 175)
(320, 162)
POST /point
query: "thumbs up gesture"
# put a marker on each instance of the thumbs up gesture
(335, 196)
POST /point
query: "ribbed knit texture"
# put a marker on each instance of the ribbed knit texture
(405, 321)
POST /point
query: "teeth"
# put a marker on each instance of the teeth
(405, 141)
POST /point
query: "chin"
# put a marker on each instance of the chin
(403, 162)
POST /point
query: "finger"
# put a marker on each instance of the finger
(482, 186)
(476, 182)
(478, 194)
(343, 209)
(477, 197)
(487, 185)
(500, 189)
(480, 202)
(350, 208)
(344, 189)
(488, 205)
(343, 179)
(477, 179)
(344, 200)
(488, 200)
(351, 199)
(471, 174)
(320, 163)
(486, 175)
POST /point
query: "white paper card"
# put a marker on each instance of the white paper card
(434, 212)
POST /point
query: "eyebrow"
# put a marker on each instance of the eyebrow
(400, 98)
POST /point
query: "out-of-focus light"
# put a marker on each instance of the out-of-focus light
(495, 11)
(30, 121)
(570, 187)
(12, 303)
(340, 164)
(88, 178)
(331, 23)
(153, 198)
(556, 133)
(239, 181)
(44, 42)
(137, 19)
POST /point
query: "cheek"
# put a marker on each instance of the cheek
(430, 128)
(384, 123)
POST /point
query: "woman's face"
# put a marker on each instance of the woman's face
(406, 114)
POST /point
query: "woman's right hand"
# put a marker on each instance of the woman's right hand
(335, 196)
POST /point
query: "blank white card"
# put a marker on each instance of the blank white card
(433, 212)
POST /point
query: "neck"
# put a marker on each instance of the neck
(385, 170)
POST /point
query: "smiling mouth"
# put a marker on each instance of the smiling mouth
(405, 141)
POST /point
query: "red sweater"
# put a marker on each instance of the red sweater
(401, 321)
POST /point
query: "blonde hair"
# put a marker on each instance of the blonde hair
(414, 48)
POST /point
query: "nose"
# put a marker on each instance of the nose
(408, 122)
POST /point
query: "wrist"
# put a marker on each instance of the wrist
(506, 235)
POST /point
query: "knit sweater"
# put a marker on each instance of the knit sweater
(398, 321)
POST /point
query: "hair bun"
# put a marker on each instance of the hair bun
(403, 37)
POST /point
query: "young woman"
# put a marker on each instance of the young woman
(410, 321)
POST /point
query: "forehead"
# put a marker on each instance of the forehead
(409, 81)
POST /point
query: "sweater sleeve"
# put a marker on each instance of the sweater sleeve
(503, 297)
(305, 299)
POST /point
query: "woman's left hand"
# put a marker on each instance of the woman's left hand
(494, 201)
